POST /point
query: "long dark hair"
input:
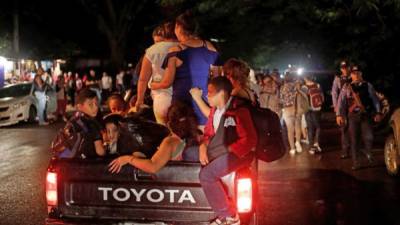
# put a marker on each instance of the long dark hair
(187, 22)
(183, 122)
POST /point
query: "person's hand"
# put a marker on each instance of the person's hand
(116, 165)
(203, 155)
(196, 93)
(340, 120)
(378, 118)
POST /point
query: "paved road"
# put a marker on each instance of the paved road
(300, 190)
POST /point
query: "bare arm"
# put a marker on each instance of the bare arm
(144, 77)
(197, 97)
(169, 76)
(99, 148)
(153, 165)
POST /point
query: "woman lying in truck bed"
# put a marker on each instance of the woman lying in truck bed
(182, 123)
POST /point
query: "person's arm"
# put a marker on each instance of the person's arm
(170, 69)
(100, 151)
(374, 98)
(335, 92)
(144, 77)
(153, 165)
(168, 78)
(197, 94)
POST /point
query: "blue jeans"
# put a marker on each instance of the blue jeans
(313, 119)
(360, 128)
(210, 179)
(191, 154)
(41, 99)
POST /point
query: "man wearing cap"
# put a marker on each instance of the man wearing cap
(359, 102)
(338, 83)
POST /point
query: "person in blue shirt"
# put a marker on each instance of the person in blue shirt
(359, 103)
(339, 81)
(189, 64)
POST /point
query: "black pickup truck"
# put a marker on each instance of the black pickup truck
(85, 192)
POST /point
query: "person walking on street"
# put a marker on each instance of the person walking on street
(338, 83)
(313, 116)
(359, 101)
(106, 85)
(40, 89)
(293, 99)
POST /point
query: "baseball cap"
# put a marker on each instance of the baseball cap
(343, 64)
(354, 68)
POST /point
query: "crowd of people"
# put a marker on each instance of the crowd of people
(201, 101)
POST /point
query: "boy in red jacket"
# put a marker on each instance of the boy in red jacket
(229, 138)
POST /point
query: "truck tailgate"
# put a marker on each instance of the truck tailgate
(87, 190)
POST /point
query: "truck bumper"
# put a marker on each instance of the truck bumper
(50, 221)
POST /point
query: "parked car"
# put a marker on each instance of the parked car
(392, 143)
(18, 103)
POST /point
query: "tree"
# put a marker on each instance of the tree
(115, 20)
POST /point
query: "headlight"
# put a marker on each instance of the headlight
(19, 104)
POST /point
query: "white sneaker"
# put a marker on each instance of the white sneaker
(226, 221)
(292, 151)
(298, 147)
(316, 145)
(304, 141)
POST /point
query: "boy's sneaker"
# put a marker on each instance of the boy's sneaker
(304, 141)
(312, 150)
(292, 151)
(318, 149)
(298, 147)
(226, 221)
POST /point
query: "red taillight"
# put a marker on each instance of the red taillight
(244, 198)
(51, 188)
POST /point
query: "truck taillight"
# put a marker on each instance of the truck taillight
(244, 195)
(51, 188)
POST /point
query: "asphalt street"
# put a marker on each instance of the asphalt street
(301, 190)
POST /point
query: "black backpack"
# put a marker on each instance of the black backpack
(270, 145)
(69, 140)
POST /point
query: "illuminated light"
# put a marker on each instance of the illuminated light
(22, 61)
(3, 60)
(300, 71)
(244, 195)
(51, 189)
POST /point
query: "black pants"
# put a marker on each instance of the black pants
(360, 127)
(313, 120)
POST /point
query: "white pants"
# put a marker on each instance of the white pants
(293, 125)
(161, 104)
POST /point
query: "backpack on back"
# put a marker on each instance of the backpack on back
(316, 96)
(68, 141)
(270, 145)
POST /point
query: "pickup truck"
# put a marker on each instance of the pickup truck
(85, 192)
(392, 151)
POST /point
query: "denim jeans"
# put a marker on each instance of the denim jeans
(313, 119)
(41, 99)
(360, 127)
(210, 179)
(293, 125)
(345, 137)
(191, 154)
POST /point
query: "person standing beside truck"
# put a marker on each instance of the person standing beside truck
(229, 138)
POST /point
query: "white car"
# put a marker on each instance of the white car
(18, 103)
